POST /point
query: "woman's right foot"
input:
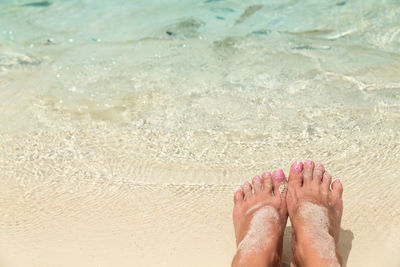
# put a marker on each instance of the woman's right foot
(315, 211)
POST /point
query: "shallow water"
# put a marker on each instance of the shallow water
(126, 126)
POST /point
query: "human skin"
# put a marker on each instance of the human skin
(259, 218)
(315, 209)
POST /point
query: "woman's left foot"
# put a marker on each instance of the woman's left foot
(259, 218)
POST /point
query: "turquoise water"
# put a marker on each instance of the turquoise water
(97, 54)
(260, 73)
(105, 101)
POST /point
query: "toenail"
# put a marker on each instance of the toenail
(320, 165)
(238, 190)
(308, 162)
(297, 166)
(256, 177)
(266, 174)
(279, 175)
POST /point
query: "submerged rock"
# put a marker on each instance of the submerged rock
(14, 60)
(226, 48)
(38, 4)
(248, 13)
(49, 41)
(223, 9)
(188, 28)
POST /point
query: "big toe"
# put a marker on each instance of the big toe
(296, 174)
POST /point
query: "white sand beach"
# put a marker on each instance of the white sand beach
(125, 127)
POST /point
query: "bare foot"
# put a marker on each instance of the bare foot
(259, 219)
(315, 212)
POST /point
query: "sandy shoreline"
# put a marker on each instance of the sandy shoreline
(69, 212)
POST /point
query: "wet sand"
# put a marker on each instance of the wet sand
(107, 209)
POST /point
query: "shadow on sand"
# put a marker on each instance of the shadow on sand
(345, 243)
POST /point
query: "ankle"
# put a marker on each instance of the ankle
(319, 250)
(257, 258)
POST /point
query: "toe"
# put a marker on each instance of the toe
(326, 182)
(337, 191)
(296, 174)
(318, 173)
(257, 186)
(267, 182)
(308, 171)
(279, 183)
(238, 197)
(246, 187)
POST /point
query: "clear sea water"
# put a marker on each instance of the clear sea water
(104, 99)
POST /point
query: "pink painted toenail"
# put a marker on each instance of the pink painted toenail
(267, 174)
(308, 162)
(297, 166)
(238, 190)
(257, 177)
(320, 165)
(278, 175)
